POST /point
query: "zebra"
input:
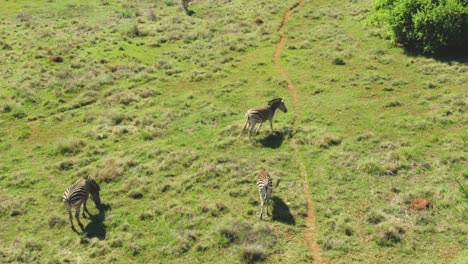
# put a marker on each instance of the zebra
(77, 195)
(262, 114)
(265, 186)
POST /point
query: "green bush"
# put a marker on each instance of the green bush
(426, 26)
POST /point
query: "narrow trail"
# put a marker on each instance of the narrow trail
(310, 219)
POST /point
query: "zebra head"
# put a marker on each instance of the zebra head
(278, 103)
(94, 190)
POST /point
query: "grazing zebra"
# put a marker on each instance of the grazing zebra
(262, 114)
(265, 186)
(77, 195)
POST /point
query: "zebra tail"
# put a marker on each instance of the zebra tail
(277, 183)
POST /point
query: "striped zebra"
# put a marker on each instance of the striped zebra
(265, 186)
(77, 195)
(262, 114)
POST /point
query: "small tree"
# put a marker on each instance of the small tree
(426, 26)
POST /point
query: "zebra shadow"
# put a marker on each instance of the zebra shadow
(97, 228)
(281, 212)
(273, 140)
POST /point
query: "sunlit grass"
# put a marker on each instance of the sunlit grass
(151, 103)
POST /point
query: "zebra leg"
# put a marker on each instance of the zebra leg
(261, 212)
(245, 125)
(268, 196)
(251, 128)
(258, 129)
(77, 216)
(262, 203)
(71, 220)
(67, 207)
(267, 200)
(85, 209)
(271, 124)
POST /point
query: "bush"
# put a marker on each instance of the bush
(428, 27)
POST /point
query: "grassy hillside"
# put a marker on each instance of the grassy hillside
(151, 102)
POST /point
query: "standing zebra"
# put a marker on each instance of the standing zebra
(262, 114)
(77, 195)
(265, 186)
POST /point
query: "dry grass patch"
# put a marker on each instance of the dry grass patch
(111, 170)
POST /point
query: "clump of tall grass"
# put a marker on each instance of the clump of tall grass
(463, 208)
(390, 237)
(65, 165)
(6, 108)
(124, 98)
(56, 221)
(184, 242)
(338, 61)
(69, 146)
(152, 15)
(252, 253)
(254, 240)
(213, 210)
(111, 170)
(375, 218)
(328, 140)
(392, 104)
(198, 75)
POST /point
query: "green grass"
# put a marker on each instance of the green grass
(151, 102)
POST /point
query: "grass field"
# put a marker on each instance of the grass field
(150, 102)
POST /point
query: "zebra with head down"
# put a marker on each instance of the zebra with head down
(77, 194)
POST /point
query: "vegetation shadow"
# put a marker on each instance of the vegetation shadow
(447, 56)
(273, 140)
(97, 228)
(281, 212)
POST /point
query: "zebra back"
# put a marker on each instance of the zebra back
(78, 192)
(260, 114)
(264, 181)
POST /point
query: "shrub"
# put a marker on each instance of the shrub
(428, 27)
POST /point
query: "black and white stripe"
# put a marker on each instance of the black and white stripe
(77, 195)
(265, 187)
(262, 114)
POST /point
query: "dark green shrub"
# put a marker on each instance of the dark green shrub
(426, 26)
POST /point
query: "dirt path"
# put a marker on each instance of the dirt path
(310, 219)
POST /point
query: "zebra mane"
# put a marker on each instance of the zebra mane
(276, 100)
(93, 183)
